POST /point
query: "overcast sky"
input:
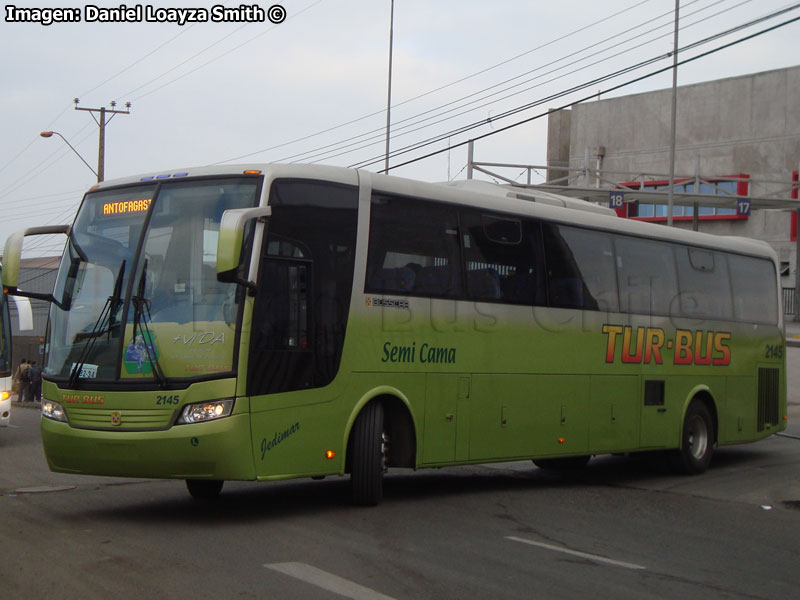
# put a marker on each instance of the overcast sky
(300, 90)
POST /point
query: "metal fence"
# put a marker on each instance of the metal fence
(788, 301)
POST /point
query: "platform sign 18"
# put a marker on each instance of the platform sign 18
(743, 207)
(616, 199)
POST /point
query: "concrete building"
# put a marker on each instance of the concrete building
(738, 136)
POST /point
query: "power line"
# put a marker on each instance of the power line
(56, 155)
(183, 30)
(324, 152)
(432, 91)
(585, 99)
(216, 58)
(438, 89)
(340, 147)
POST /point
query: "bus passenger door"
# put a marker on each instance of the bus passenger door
(446, 437)
(281, 339)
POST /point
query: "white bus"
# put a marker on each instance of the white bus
(25, 322)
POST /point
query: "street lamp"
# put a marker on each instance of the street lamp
(47, 134)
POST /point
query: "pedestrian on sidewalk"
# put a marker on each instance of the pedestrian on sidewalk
(35, 379)
(21, 385)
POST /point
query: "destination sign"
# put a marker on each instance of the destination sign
(126, 206)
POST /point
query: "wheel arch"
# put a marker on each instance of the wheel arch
(400, 423)
(701, 393)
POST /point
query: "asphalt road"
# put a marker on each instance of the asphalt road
(623, 528)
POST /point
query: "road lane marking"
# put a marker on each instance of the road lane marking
(327, 581)
(43, 489)
(593, 557)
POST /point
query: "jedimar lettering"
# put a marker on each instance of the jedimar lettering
(650, 345)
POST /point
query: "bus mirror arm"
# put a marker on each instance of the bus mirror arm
(12, 257)
(232, 277)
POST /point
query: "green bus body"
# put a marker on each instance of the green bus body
(468, 372)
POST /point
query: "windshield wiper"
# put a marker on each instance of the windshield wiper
(104, 324)
(141, 316)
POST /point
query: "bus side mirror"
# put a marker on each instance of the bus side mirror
(12, 257)
(231, 237)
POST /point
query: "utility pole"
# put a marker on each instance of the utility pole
(389, 93)
(673, 120)
(101, 152)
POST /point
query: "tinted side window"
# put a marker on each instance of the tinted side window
(413, 248)
(705, 289)
(304, 286)
(503, 259)
(580, 268)
(755, 296)
(646, 273)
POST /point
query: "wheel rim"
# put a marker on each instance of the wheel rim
(698, 437)
(385, 451)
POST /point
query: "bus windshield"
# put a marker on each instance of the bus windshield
(140, 296)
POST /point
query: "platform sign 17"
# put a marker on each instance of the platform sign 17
(616, 199)
(743, 207)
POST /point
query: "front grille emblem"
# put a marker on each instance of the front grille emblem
(116, 418)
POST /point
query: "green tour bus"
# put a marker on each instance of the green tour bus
(265, 322)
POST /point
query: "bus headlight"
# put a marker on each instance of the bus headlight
(206, 411)
(53, 410)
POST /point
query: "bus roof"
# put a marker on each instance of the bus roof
(480, 194)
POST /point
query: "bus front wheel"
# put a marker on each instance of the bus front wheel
(204, 489)
(368, 458)
(697, 442)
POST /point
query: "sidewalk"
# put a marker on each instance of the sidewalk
(15, 402)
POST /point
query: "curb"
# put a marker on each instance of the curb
(26, 405)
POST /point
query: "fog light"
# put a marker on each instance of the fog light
(206, 411)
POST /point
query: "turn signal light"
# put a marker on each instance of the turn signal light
(330, 454)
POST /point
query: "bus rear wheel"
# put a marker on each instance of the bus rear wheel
(697, 441)
(368, 458)
(204, 489)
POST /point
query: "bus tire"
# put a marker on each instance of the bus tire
(204, 489)
(566, 463)
(697, 440)
(367, 461)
